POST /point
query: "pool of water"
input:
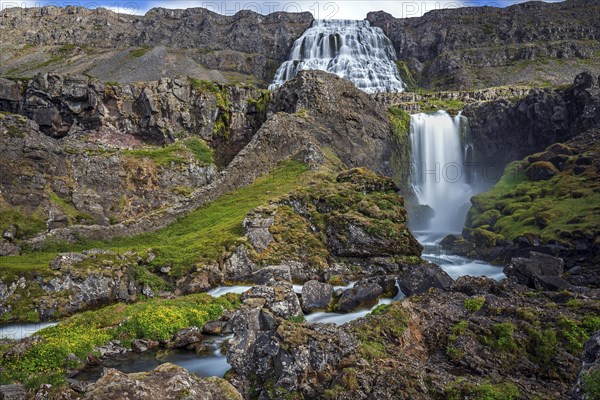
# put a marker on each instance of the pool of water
(209, 363)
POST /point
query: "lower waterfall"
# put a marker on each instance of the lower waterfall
(440, 176)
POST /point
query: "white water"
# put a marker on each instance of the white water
(353, 50)
(440, 176)
(21, 331)
(441, 180)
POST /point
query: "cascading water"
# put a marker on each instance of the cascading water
(440, 176)
(352, 50)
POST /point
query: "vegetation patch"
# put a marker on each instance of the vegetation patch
(27, 224)
(474, 304)
(180, 152)
(432, 105)
(156, 319)
(407, 77)
(138, 53)
(462, 389)
(381, 330)
(559, 207)
(203, 236)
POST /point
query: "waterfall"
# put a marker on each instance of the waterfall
(440, 175)
(352, 50)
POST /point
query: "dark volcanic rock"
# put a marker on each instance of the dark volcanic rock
(316, 296)
(416, 279)
(525, 270)
(490, 46)
(362, 295)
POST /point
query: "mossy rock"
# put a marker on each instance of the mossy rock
(368, 181)
(541, 171)
(484, 238)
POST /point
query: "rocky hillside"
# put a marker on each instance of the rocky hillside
(128, 48)
(533, 43)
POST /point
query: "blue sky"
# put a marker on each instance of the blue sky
(341, 9)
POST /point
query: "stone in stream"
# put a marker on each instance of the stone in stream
(363, 295)
(189, 339)
(272, 274)
(316, 296)
(280, 299)
(416, 279)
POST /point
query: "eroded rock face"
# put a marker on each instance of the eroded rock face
(246, 43)
(492, 46)
(165, 382)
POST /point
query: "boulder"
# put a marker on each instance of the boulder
(279, 298)
(415, 279)
(257, 230)
(272, 274)
(316, 296)
(214, 327)
(524, 270)
(364, 295)
(167, 381)
(8, 248)
(188, 338)
(142, 345)
(541, 171)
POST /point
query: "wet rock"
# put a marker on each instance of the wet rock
(214, 328)
(280, 299)
(111, 349)
(360, 296)
(525, 270)
(189, 339)
(415, 279)
(316, 296)
(167, 382)
(142, 345)
(272, 274)
(591, 362)
(13, 392)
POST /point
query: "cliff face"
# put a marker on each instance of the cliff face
(126, 48)
(531, 43)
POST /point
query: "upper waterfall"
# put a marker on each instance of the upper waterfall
(441, 176)
(353, 50)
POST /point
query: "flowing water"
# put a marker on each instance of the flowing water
(353, 50)
(210, 363)
(443, 180)
(20, 331)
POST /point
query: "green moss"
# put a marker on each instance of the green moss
(557, 210)
(474, 304)
(542, 345)
(155, 319)
(378, 330)
(407, 77)
(74, 216)
(504, 337)
(401, 150)
(461, 389)
(431, 105)
(137, 53)
(176, 153)
(27, 224)
(591, 381)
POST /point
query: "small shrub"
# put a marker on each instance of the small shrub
(503, 337)
(474, 304)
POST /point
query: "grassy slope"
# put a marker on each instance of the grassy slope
(202, 236)
(554, 209)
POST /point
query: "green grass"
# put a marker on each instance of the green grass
(461, 389)
(75, 216)
(431, 105)
(592, 384)
(177, 153)
(27, 224)
(203, 236)
(156, 319)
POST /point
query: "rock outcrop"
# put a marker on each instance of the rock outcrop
(167, 382)
(469, 47)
